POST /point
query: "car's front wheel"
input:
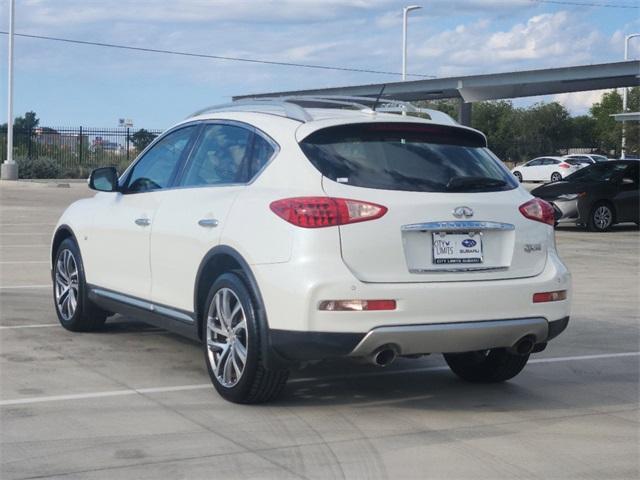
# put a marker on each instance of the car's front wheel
(75, 311)
(486, 366)
(518, 175)
(232, 340)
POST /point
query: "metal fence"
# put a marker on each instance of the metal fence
(74, 151)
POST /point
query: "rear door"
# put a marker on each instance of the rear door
(441, 186)
(192, 216)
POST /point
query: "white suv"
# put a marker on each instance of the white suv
(283, 231)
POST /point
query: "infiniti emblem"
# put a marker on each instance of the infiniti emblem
(460, 212)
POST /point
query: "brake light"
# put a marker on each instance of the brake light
(317, 212)
(356, 305)
(538, 210)
(556, 296)
(564, 165)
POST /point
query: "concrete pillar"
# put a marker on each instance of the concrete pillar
(464, 113)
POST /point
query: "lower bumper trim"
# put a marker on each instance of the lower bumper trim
(452, 337)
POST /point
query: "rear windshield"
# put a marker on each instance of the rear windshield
(407, 156)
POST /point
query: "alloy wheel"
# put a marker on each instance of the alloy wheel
(602, 217)
(66, 284)
(227, 338)
(556, 177)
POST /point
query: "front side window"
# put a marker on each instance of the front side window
(219, 157)
(155, 170)
(407, 156)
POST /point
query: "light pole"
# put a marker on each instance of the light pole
(625, 94)
(405, 12)
(9, 170)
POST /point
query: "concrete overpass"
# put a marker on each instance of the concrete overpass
(475, 88)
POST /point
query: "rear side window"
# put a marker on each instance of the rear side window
(218, 159)
(261, 154)
(407, 156)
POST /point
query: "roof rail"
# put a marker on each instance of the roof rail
(295, 107)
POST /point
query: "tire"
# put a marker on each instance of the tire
(601, 217)
(490, 366)
(518, 175)
(556, 177)
(75, 311)
(232, 344)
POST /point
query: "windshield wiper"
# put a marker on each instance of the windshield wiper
(472, 183)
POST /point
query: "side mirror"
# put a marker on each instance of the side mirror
(104, 179)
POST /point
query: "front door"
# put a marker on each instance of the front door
(118, 243)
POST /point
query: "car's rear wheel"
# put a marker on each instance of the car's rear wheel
(486, 366)
(556, 177)
(601, 218)
(75, 311)
(232, 342)
(518, 175)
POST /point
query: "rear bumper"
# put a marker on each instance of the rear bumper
(415, 339)
(292, 294)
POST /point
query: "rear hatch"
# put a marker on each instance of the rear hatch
(452, 207)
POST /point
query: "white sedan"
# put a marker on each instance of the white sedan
(545, 169)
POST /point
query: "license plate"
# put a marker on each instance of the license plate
(457, 248)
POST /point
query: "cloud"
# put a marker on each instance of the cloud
(579, 103)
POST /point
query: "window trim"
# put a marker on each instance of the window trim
(123, 181)
(233, 123)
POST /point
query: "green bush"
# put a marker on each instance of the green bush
(41, 167)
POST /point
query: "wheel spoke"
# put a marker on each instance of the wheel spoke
(241, 351)
(236, 368)
(218, 347)
(241, 325)
(213, 327)
(222, 360)
(227, 368)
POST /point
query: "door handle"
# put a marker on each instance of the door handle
(143, 222)
(208, 222)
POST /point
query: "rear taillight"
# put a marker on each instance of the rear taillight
(357, 305)
(538, 210)
(564, 165)
(316, 212)
(556, 296)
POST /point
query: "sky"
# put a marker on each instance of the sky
(73, 85)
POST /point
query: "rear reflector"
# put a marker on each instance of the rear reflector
(538, 210)
(316, 212)
(556, 296)
(356, 305)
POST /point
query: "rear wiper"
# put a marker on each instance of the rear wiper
(457, 183)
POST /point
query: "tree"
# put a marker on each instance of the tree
(496, 120)
(26, 123)
(608, 131)
(142, 138)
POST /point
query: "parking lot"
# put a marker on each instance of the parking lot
(135, 402)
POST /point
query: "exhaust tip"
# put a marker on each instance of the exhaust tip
(524, 346)
(384, 357)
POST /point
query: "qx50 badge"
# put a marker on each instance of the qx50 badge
(460, 212)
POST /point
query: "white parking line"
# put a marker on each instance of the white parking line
(13, 262)
(204, 386)
(37, 325)
(26, 224)
(20, 287)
